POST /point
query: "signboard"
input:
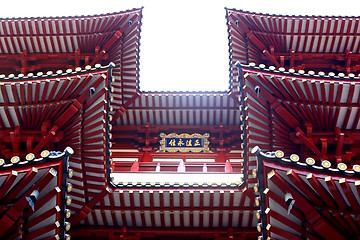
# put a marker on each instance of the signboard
(184, 142)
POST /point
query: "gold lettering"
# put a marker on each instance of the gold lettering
(172, 142)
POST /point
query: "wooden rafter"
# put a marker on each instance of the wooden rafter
(85, 210)
(321, 226)
(319, 188)
(13, 213)
(20, 186)
(256, 41)
(344, 185)
(306, 189)
(99, 55)
(335, 192)
(124, 107)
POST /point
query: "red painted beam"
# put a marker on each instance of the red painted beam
(321, 226)
(335, 192)
(25, 134)
(20, 186)
(304, 187)
(99, 55)
(15, 141)
(320, 189)
(159, 128)
(308, 142)
(25, 64)
(124, 107)
(8, 183)
(14, 212)
(46, 139)
(36, 220)
(41, 231)
(349, 194)
(271, 58)
(76, 219)
(164, 155)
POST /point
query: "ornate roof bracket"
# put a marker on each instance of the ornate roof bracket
(100, 54)
(26, 62)
(338, 146)
(62, 119)
(258, 43)
(271, 58)
(348, 54)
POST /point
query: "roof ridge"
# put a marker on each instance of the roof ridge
(69, 71)
(287, 15)
(300, 72)
(75, 16)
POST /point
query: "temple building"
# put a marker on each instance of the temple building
(86, 154)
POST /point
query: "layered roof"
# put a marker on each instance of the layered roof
(306, 116)
(315, 116)
(153, 212)
(299, 107)
(71, 107)
(311, 115)
(56, 110)
(44, 44)
(315, 43)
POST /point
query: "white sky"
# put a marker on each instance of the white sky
(184, 45)
(178, 177)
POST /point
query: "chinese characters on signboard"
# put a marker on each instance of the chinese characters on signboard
(184, 142)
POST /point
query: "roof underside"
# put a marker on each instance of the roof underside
(326, 201)
(307, 115)
(67, 113)
(329, 44)
(312, 116)
(31, 45)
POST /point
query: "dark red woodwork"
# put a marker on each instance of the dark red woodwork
(311, 43)
(146, 138)
(25, 62)
(101, 113)
(43, 175)
(320, 211)
(305, 103)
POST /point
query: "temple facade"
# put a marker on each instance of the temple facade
(86, 154)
